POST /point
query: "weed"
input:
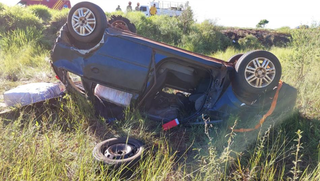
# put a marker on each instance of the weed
(59, 18)
(2, 6)
(41, 11)
(297, 158)
(17, 17)
(250, 42)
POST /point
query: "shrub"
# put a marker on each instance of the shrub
(146, 27)
(20, 37)
(135, 17)
(167, 28)
(41, 12)
(59, 18)
(2, 6)
(305, 62)
(159, 28)
(186, 19)
(250, 42)
(21, 48)
(116, 13)
(205, 38)
(18, 18)
(284, 29)
(262, 23)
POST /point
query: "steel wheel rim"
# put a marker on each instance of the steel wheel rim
(120, 151)
(260, 72)
(83, 21)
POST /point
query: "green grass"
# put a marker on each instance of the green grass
(55, 142)
(56, 145)
(228, 53)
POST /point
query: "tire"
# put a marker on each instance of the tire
(234, 58)
(86, 22)
(129, 151)
(256, 72)
(122, 23)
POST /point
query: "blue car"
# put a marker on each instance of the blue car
(109, 63)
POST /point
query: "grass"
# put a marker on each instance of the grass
(54, 142)
(37, 149)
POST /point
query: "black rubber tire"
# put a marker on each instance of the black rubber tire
(130, 26)
(241, 87)
(101, 23)
(100, 148)
(235, 58)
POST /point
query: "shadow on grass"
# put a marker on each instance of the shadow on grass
(184, 144)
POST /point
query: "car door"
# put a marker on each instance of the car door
(120, 63)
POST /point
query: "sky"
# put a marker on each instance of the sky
(235, 13)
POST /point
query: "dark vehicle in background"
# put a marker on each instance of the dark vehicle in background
(108, 60)
(53, 4)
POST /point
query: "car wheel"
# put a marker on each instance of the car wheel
(86, 22)
(234, 58)
(122, 23)
(256, 72)
(118, 151)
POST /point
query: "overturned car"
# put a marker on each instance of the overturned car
(108, 62)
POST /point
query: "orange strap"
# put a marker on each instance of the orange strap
(273, 106)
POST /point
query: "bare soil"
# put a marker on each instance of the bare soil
(266, 37)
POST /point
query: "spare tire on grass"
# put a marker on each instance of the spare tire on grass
(118, 151)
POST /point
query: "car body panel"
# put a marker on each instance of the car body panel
(169, 51)
(117, 61)
(68, 59)
(137, 65)
(124, 57)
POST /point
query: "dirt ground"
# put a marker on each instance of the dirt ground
(266, 37)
